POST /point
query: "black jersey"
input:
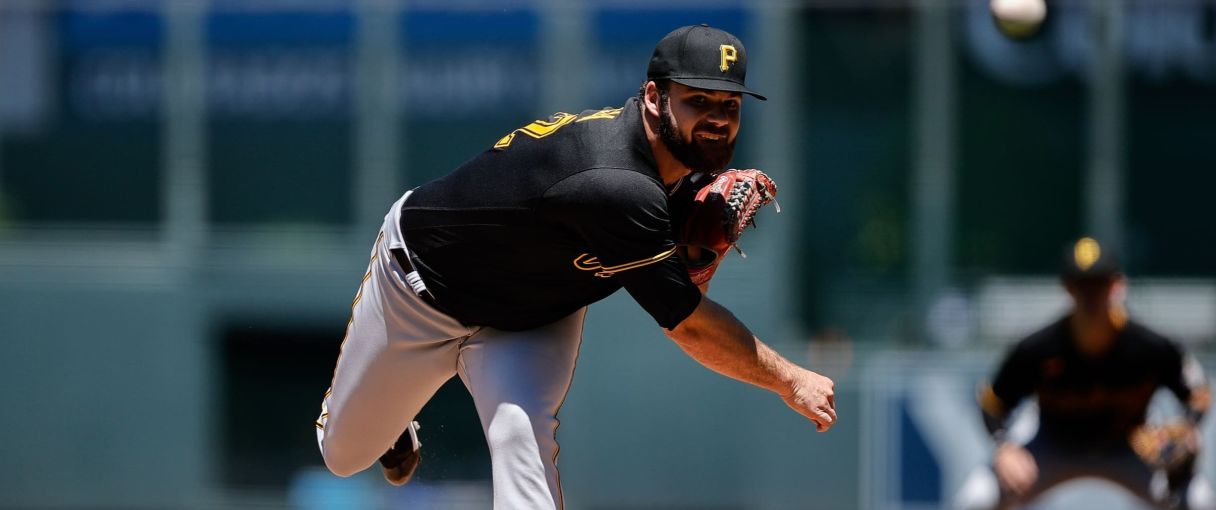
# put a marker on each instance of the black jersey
(557, 215)
(1087, 400)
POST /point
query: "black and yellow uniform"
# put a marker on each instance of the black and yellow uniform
(486, 274)
(1089, 407)
(557, 215)
(1091, 400)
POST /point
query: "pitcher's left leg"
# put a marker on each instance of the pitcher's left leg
(518, 380)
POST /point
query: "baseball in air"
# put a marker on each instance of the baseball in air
(1018, 19)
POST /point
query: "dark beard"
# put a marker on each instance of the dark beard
(705, 158)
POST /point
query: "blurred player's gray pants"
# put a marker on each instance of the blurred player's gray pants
(399, 350)
(1058, 463)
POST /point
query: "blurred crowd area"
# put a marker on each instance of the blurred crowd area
(188, 190)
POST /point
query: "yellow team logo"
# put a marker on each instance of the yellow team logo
(588, 262)
(1086, 253)
(729, 56)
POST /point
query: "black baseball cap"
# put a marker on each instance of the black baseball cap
(1087, 259)
(702, 57)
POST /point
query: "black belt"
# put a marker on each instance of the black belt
(402, 260)
(407, 266)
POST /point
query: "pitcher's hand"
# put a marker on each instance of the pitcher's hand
(812, 395)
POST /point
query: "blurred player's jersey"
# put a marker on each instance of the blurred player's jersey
(1092, 400)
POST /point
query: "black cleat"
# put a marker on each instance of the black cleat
(400, 461)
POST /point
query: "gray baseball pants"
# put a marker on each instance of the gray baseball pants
(399, 350)
(1058, 463)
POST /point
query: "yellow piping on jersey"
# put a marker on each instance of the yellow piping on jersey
(587, 262)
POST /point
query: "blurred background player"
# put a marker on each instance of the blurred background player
(1093, 372)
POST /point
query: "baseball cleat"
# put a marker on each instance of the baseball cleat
(400, 461)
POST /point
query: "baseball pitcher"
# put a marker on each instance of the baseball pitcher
(486, 273)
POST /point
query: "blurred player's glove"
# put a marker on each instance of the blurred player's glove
(720, 212)
(1171, 446)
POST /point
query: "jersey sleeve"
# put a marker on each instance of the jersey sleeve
(1014, 379)
(1185, 378)
(622, 216)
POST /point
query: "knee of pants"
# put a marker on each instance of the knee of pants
(512, 429)
(343, 458)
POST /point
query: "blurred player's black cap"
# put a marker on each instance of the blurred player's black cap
(702, 57)
(1087, 259)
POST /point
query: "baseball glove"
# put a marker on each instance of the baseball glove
(720, 211)
(1171, 446)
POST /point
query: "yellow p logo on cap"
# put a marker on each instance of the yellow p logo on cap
(1086, 253)
(729, 55)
